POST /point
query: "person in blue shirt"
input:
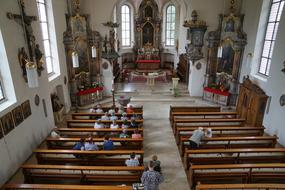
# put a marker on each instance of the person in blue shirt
(133, 124)
(108, 144)
(79, 145)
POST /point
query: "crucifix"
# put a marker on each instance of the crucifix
(26, 22)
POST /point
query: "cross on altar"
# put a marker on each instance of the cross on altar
(25, 21)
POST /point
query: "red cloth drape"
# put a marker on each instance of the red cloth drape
(89, 91)
(148, 61)
(216, 91)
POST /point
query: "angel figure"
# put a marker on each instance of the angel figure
(23, 59)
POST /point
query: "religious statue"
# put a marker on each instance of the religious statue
(23, 59)
(39, 60)
(112, 39)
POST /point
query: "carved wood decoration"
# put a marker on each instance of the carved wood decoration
(252, 102)
(80, 37)
(148, 23)
(231, 38)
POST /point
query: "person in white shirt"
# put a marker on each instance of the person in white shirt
(208, 133)
(111, 111)
(133, 161)
(105, 117)
(99, 124)
(124, 116)
(114, 125)
(113, 117)
(93, 110)
(99, 110)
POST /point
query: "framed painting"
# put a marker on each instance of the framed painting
(7, 123)
(18, 115)
(26, 108)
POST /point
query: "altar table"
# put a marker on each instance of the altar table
(148, 64)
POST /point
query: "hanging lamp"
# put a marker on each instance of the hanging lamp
(32, 74)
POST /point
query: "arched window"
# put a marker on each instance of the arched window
(270, 35)
(170, 25)
(126, 25)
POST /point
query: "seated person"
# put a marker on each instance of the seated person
(196, 137)
(208, 133)
(93, 109)
(79, 145)
(99, 109)
(113, 117)
(124, 116)
(133, 124)
(130, 109)
(124, 134)
(133, 161)
(90, 145)
(136, 135)
(155, 161)
(105, 117)
(134, 116)
(121, 110)
(99, 124)
(108, 144)
(125, 124)
(114, 125)
(111, 111)
(54, 134)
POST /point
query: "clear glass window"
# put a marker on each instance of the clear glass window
(170, 25)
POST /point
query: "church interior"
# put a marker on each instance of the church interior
(190, 92)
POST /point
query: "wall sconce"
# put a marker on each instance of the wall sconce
(75, 61)
(32, 74)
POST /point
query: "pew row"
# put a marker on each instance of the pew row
(90, 122)
(135, 108)
(120, 143)
(96, 158)
(208, 121)
(224, 131)
(64, 187)
(192, 109)
(233, 156)
(231, 142)
(256, 186)
(237, 173)
(84, 132)
(204, 115)
(88, 115)
(99, 175)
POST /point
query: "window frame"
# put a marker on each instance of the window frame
(2, 91)
(169, 29)
(272, 38)
(130, 26)
(48, 40)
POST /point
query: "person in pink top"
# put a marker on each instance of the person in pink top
(136, 135)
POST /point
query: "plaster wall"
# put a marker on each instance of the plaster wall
(274, 84)
(17, 146)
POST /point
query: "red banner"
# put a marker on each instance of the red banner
(148, 61)
(89, 91)
(216, 91)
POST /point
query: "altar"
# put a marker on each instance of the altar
(148, 64)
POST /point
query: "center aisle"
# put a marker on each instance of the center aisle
(159, 140)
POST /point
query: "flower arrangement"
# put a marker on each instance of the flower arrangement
(97, 84)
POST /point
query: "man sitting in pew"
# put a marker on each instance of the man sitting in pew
(99, 124)
(108, 144)
(125, 124)
(105, 117)
(90, 145)
(79, 145)
(133, 124)
(113, 117)
(197, 136)
(124, 116)
(133, 161)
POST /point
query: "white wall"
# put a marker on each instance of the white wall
(17, 146)
(274, 84)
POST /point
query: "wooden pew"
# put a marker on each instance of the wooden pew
(64, 187)
(100, 175)
(135, 108)
(88, 115)
(96, 158)
(67, 143)
(256, 186)
(237, 173)
(91, 122)
(208, 121)
(224, 131)
(233, 156)
(192, 109)
(232, 142)
(203, 115)
(84, 132)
